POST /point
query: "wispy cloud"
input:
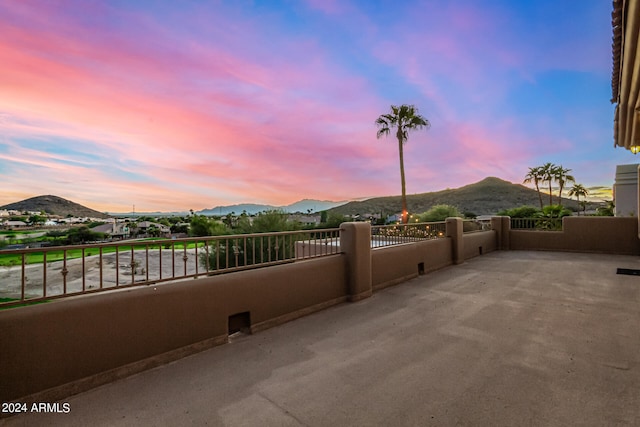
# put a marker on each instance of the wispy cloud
(190, 106)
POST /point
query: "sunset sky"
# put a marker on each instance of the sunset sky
(188, 105)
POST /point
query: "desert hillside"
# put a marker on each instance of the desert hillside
(485, 197)
(54, 205)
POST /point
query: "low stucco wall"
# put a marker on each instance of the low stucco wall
(479, 243)
(395, 264)
(66, 346)
(615, 235)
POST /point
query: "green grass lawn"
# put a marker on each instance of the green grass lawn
(11, 259)
(20, 232)
(19, 305)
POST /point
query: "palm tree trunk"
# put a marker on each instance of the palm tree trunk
(405, 217)
(560, 194)
(539, 194)
(550, 193)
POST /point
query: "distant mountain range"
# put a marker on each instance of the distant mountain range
(54, 205)
(486, 197)
(306, 205)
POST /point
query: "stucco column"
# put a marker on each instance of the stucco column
(454, 231)
(355, 243)
(506, 233)
(501, 225)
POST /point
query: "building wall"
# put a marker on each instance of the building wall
(625, 190)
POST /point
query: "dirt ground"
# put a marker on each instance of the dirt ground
(114, 272)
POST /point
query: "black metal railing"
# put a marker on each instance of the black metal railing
(540, 224)
(38, 274)
(389, 235)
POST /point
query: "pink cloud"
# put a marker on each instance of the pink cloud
(195, 109)
(140, 122)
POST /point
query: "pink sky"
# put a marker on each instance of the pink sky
(188, 107)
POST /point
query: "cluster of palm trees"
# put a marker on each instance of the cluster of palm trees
(550, 173)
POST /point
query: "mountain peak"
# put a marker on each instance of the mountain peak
(485, 197)
(54, 205)
(304, 205)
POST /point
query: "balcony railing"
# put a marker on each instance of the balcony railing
(389, 235)
(540, 224)
(33, 275)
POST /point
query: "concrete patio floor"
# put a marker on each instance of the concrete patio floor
(510, 338)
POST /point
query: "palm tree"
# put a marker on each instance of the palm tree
(548, 174)
(535, 175)
(609, 209)
(579, 190)
(561, 175)
(404, 118)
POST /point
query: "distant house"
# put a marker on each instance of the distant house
(146, 226)
(115, 230)
(312, 220)
(394, 218)
(12, 225)
(71, 220)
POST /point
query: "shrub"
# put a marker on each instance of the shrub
(333, 220)
(552, 216)
(554, 211)
(203, 226)
(520, 212)
(440, 213)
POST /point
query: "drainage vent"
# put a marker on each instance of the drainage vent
(421, 268)
(240, 323)
(480, 250)
(628, 271)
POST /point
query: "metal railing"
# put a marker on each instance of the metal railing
(389, 235)
(39, 274)
(540, 224)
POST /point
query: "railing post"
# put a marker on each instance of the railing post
(454, 230)
(355, 243)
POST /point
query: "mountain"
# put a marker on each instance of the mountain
(54, 205)
(154, 214)
(251, 209)
(485, 197)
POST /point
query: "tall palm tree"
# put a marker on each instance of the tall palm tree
(548, 173)
(561, 175)
(404, 118)
(579, 190)
(535, 175)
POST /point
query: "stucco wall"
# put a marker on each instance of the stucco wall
(105, 336)
(479, 243)
(616, 235)
(395, 264)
